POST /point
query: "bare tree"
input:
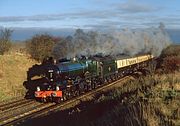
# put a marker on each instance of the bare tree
(5, 42)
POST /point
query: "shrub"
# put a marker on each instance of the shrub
(172, 50)
(169, 60)
(5, 43)
(171, 64)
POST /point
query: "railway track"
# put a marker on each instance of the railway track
(43, 109)
(14, 104)
(13, 116)
(11, 101)
(19, 107)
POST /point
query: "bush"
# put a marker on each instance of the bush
(5, 43)
(171, 64)
(40, 46)
(172, 50)
(169, 60)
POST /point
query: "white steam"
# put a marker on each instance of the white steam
(128, 42)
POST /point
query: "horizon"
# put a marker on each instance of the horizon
(93, 14)
(22, 34)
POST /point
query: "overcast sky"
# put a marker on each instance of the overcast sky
(89, 14)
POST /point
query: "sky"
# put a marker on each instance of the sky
(89, 14)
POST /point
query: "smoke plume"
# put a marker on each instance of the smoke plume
(126, 41)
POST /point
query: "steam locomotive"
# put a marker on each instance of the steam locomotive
(64, 79)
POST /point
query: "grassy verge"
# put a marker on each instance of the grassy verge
(13, 74)
(155, 102)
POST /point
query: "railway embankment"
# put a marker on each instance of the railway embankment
(13, 68)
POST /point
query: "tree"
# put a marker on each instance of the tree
(5, 42)
(40, 46)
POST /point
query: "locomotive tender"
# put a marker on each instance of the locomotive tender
(69, 78)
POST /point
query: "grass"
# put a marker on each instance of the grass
(12, 74)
